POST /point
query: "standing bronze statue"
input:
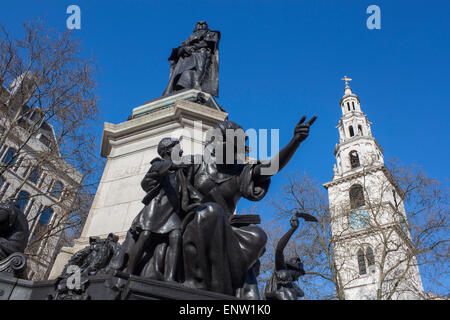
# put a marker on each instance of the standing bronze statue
(195, 63)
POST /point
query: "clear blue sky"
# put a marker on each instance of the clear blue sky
(279, 60)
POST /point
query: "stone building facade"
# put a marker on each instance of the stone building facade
(39, 186)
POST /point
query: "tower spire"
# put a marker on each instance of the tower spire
(347, 89)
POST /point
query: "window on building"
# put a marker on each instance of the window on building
(10, 156)
(360, 130)
(22, 200)
(34, 175)
(37, 240)
(370, 257)
(356, 194)
(45, 140)
(361, 262)
(353, 105)
(35, 116)
(57, 189)
(45, 126)
(348, 106)
(46, 216)
(350, 130)
(354, 159)
(365, 260)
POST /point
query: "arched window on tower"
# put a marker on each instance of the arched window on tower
(370, 257)
(360, 130)
(365, 260)
(353, 105)
(350, 130)
(361, 262)
(354, 159)
(356, 194)
(348, 106)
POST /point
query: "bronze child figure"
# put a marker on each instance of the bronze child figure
(157, 228)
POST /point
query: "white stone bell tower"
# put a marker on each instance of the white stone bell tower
(373, 251)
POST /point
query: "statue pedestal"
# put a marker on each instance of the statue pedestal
(138, 288)
(135, 288)
(129, 147)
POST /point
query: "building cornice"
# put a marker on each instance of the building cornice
(355, 139)
(353, 176)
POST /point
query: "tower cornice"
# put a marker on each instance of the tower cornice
(363, 173)
(354, 139)
(353, 176)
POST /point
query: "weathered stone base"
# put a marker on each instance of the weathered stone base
(134, 288)
(19, 289)
(138, 288)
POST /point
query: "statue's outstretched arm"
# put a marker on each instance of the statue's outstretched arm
(279, 256)
(267, 169)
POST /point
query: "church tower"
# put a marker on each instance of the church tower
(373, 251)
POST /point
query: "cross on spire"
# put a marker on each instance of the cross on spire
(346, 79)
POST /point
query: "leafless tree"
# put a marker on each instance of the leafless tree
(48, 109)
(402, 215)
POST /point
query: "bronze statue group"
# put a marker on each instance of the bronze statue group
(187, 231)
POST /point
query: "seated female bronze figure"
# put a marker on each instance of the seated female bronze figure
(218, 254)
